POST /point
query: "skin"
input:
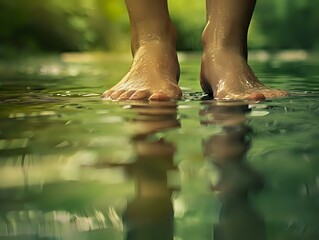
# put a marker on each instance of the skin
(224, 70)
(154, 72)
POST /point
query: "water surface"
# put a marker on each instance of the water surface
(75, 167)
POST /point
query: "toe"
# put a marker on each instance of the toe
(126, 95)
(159, 96)
(275, 94)
(115, 95)
(107, 94)
(283, 94)
(256, 96)
(140, 95)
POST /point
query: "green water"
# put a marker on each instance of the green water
(75, 167)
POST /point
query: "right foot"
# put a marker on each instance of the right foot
(226, 75)
(154, 74)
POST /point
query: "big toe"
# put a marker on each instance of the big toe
(256, 96)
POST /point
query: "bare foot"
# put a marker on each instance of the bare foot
(226, 75)
(154, 74)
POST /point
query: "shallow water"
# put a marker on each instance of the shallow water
(75, 167)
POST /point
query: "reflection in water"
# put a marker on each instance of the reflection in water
(91, 200)
(63, 208)
(57, 148)
(227, 150)
(150, 214)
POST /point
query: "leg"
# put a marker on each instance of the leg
(224, 70)
(154, 72)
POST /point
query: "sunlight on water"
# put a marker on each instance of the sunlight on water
(75, 167)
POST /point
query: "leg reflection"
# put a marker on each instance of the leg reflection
(227, 151)
(150, 214)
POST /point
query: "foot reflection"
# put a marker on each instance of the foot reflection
(88, 205)
(150, 214)
(227, 151)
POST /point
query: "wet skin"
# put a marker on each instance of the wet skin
(225, 73)
(153, 75)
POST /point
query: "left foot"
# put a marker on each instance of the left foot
(225, 74)
(154, 73)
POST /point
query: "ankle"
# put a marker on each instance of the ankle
(218, 41)
(154, 32)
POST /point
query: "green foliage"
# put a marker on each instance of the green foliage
(288, 24)
(56, 25)
(77, 25)
(189, 21)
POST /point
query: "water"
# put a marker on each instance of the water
(75, 167)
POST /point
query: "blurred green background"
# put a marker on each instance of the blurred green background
(90, 25)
